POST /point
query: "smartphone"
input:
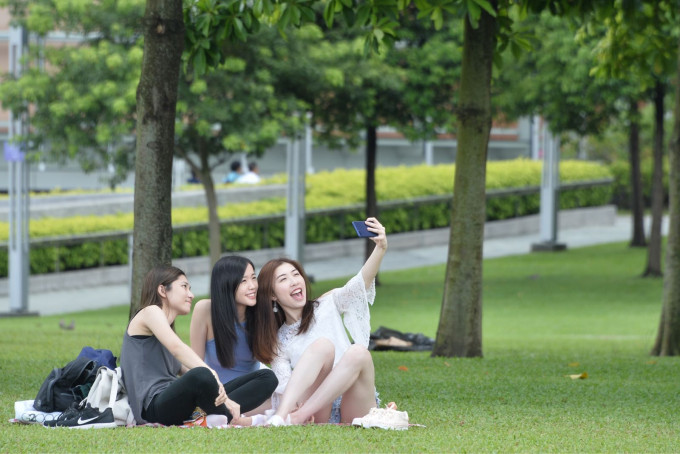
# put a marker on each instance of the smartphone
(362, 230)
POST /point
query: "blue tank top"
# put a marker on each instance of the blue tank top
(244, 360)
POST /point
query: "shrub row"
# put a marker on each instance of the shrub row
(324, 190)
(622, 186)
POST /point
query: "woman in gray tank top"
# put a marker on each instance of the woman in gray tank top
(164, 378)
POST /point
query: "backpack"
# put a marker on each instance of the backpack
(101, 356)
(64, 386)
(108, 391)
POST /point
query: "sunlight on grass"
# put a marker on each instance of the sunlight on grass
(546, 317)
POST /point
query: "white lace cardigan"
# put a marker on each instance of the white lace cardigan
(349, 303)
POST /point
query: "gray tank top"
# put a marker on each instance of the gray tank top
(148, 368)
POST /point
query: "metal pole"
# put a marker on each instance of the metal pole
(549, 193)
(428, 150)
(536, 146)
(308, 145)
(295, 207)
(18, 244)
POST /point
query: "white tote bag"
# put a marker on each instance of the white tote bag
(108, 391)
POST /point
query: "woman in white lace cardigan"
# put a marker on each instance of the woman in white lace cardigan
(322, 376)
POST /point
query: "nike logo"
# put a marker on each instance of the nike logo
(85, 421)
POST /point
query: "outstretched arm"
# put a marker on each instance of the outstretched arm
(372, 265)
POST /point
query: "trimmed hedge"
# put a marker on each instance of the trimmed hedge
(325, 190)
(622, 187)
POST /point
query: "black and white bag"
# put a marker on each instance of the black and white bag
(66, 385)
(108, 391)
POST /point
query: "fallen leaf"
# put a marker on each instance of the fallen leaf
(581, 376)
(651, 362)
(404, 368)
(573, 364)
(447, 364)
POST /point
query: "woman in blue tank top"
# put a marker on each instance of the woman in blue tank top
(232, 334)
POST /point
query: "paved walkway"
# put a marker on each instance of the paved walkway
(105, 296)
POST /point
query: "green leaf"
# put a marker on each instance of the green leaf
(515, 49)
(486, 6)
(329, 13)
(199, 62)
(308, 14)
(362, 15)
(473, 12)
(258, 6)
(239, 30)
(437, 18)
(285, 18)
(295, 14)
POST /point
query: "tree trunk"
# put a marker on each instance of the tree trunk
(213, 218)
(156, 100)
(637, 204)
(371, 198)
(668, 338)
(460, 322)
(654, 251)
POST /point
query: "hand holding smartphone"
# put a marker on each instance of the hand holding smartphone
(362, 230)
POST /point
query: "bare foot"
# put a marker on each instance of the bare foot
(242, 421)
(294, 419)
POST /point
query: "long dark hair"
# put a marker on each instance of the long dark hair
(265, 292)
(160, 275)
(225, 279)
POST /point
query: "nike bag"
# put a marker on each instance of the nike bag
(64, 386)
(108, 391)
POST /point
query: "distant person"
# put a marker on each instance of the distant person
(235, 173)
(193, 178)
(251, 176)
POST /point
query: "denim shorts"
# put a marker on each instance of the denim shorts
(335, 411)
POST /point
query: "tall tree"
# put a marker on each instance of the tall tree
(460, 324)
(537, 81)
(163, 26)
(668, 336)
(637, 205)
(653, 267)
(348, 94)
(636, 47)
(232, 109)
(81, 96)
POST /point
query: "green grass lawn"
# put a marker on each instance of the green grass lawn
(546, 316)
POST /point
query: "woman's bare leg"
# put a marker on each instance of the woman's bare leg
(310, 371)
(353, 378)
(266, 405)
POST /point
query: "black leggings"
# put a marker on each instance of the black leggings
(252, 389)
(198, 388)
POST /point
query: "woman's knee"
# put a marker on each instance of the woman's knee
(358, 354)
(201, 377)
(323, 348)
(267, 379)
